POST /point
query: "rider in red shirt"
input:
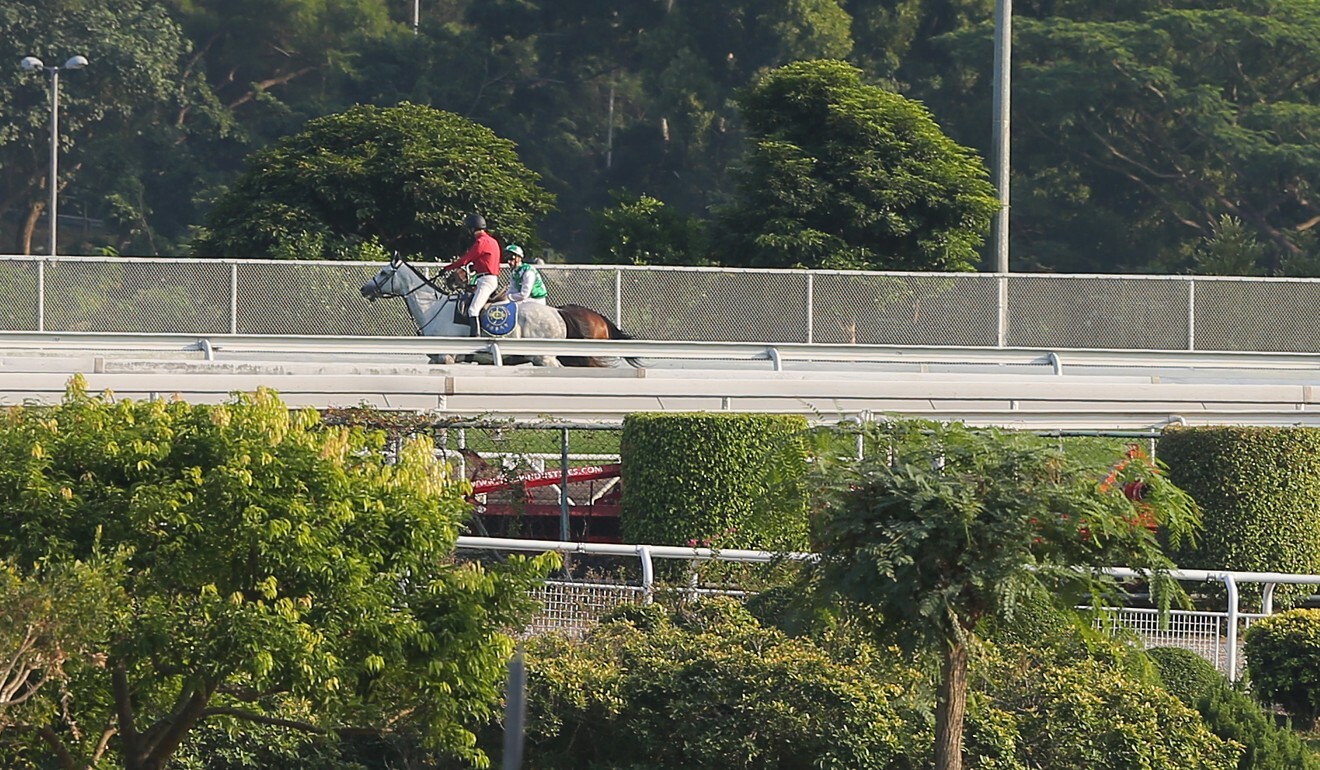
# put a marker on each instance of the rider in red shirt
(484, 256)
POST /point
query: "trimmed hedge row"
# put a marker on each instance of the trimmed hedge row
(1259, 489)
(715, 479)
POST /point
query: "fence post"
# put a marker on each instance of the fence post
(648, 574)
(618, 296)
(811, 308)
(1231, 585)
(233, 298)
(41, 295)
(1191, 314)
(1001, 324)
(563, 484)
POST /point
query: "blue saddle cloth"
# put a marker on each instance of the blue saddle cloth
(499, 320)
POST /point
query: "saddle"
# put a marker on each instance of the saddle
(498, 318)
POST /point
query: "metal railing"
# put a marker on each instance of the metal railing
(672, 303)
(212, 347)
(572, 606)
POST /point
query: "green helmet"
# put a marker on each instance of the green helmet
(515, 250)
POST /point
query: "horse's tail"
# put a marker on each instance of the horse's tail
(618, 334)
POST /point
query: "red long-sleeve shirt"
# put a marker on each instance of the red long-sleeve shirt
(484, 255)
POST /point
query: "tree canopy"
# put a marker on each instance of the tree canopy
(951, 527)
(841, 174)
(403, 177)
(108, 110)
(278, 573)
(1140, 128)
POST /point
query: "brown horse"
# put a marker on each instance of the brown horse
(586, 324)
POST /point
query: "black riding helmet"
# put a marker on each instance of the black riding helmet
(475, 222)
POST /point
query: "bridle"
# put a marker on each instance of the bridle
(396, 263)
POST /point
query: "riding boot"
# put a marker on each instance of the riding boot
(474, 328)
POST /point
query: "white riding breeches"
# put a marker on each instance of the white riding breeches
(537, 300)
(481, 292)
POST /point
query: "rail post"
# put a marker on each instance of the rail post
(233, 298)
(563, 484)
(1231, 660)
(811, 308)
(648, 574)
(618, 296)
(41, 295)
(1191, 314)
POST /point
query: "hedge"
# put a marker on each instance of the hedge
(1259, 490)
(1283, 661)
(711, 479)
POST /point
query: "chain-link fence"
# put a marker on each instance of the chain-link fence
(674, 303)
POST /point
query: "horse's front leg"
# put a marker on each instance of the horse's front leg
(545, 361)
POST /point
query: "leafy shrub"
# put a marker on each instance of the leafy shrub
(1186, 674)
(1230, 714)
(1088, 714)
(642, 231)
(707, 687)
(731, 480)
(1283, 660)
(1257, 489)
(1234, 716)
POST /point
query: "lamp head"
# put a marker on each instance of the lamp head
(31, 63)
(75, 62)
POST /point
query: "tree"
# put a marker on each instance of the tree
(281, 573)
(134, 49)
(1140, 125)
(631, 95)
(953, 527)
(845, 175)
(643, 231)
(404, 177)
(57, 615)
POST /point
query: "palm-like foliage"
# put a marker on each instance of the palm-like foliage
(952, 526)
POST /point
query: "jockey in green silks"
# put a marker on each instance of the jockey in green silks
(525, 285)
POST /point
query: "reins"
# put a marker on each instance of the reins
(448, 296)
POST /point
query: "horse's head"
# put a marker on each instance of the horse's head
(389, 282)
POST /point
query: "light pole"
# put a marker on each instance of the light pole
(1001, 133)
(32, 64)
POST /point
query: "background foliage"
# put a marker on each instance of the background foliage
(1139, 126)
(400, 178)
